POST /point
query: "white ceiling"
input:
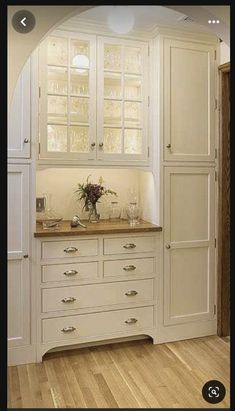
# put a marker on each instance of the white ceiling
(146, 17)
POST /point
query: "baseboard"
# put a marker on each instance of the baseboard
(21, 355)
(185, 331)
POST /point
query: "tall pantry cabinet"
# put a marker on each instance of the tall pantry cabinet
(187, 83)
(20, 348)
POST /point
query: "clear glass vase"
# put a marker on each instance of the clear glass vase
(94, 216)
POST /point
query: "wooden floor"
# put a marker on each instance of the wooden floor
(124, 375)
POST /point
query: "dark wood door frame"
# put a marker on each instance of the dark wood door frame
(223, 284)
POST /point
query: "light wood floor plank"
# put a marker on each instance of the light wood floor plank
(133, 374)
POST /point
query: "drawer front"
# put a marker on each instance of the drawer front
(85, 296)
(127, 245)
(97, 324)
(68, 249)
(129, 268)
(68, 272)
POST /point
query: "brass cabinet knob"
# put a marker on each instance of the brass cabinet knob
(26, 140)
(101, 145)
(131, 321)
(26, 256)
(68, 329)
(168, 246)
(168, 146)
(92, 145)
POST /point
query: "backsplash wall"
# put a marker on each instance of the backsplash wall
(62, 182)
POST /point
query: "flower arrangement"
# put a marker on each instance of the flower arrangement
(91, 193)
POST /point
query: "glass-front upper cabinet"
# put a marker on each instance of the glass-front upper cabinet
(122, 100)
(67, 107)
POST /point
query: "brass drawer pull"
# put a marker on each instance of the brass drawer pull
(70, 272)
(131, 292)
(129, 268)
(70, 250)
(129, 245)
(68, 300)
(68, 329)
(131, 321)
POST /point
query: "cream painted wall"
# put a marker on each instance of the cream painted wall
(62, 182)
(224, 53)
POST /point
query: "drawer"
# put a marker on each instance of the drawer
(129, 268)
(68, 272)
(97, 324)
(127, 245)
(68, 249)
(94, 295)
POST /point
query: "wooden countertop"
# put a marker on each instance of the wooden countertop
(102, 227)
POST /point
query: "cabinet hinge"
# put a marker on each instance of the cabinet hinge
(215, 54)
(216, 103)
(215, 152)
(216, 176)
(39, 92)
(39, 148)
(215, 242)
(214, 309)
(148, 101)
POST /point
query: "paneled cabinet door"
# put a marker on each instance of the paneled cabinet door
(189, 101)
(18, 261)
(19, 117)
(189, 244)
(67, 104)
(122, 100)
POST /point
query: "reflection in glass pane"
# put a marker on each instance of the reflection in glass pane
(57, 80)
(57, 51)
(112, 85)
(79, 83)
(132, 60)
(112, 57)
(57, 109)
(132, 87)
(79, 139)
(79, 108)
(113, 140)
(112, 112)
(79, 55)
(133, 114)
(133, 141)
(56, 138)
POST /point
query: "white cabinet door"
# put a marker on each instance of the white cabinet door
(189, 244)
(189, 101)
(18, 249)
(122, 100)
(19, 117)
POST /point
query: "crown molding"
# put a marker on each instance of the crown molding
(79, 24)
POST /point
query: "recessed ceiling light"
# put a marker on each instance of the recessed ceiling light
(217, 21)
(209, 21)
(121, 19)
(213, 21)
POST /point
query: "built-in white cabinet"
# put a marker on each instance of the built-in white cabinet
(189, 244)
(93, 99)
(189, 101)
(18, 256)
(19, 117)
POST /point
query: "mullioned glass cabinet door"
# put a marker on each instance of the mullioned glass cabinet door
(122, 100)
(67, 107)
